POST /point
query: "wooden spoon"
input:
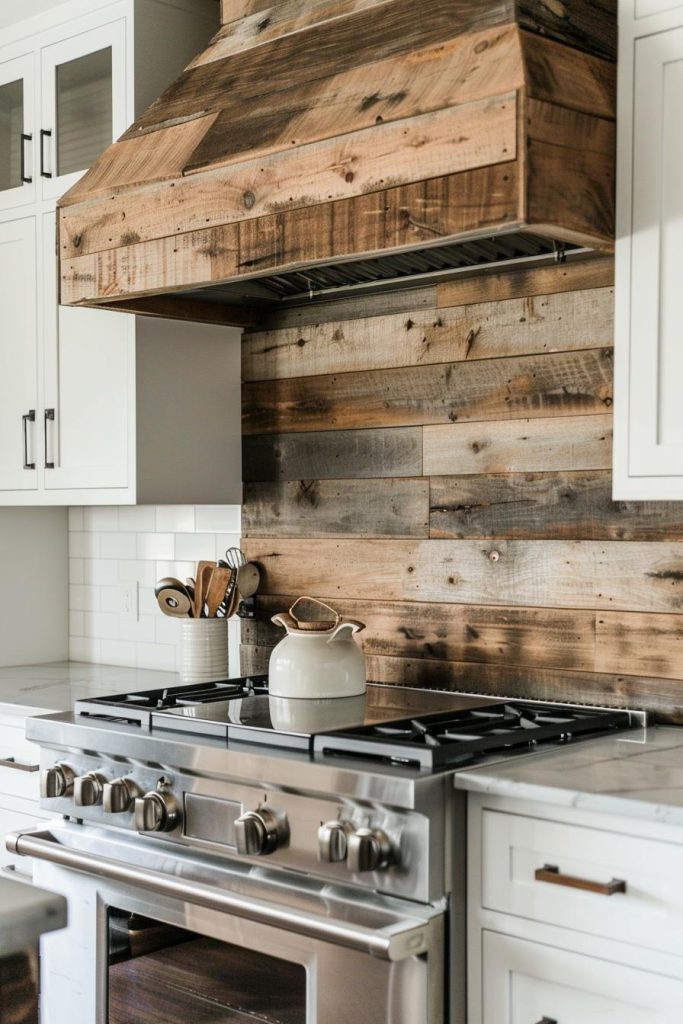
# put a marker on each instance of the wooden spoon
(218, 585)
(202, 582)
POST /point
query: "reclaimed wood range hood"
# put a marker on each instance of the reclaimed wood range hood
(322, 146)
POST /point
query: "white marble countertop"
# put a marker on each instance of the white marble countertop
(55, 686)
(26, 913)
(637, 774)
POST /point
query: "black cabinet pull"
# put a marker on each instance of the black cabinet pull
(25, 179)
(28, 417)
(43, 133)
(547, 1020)
(49, 415)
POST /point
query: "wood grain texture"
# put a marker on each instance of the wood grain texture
(184, 307)
(573, 383)
(408, 215)
(337, 508)
(477, 134)
(561, 574)
(574, 275)
(544, 323)
(341, 454)
(536, 506)
(519, 446)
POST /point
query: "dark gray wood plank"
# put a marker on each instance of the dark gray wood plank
(337, 508)
(538, 506)
(333, 455)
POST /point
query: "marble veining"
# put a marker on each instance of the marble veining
(637, 775)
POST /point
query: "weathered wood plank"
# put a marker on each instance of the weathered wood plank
(529, 637)
(334, 455)
(250, 24)
(519, 446)
(409, 215)
(541, 684)
(358, 39)
(477, 134)
(337, 508)
(527, 386)
(590, 25)
(559, 74)
(575, 274)
(459, 71)
(553, 506)
(403, 300)
(563, 574)
(571, 169)
(545, 323)
(650, 644)
(609, 690)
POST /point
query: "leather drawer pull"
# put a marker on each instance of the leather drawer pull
(551, 873)
(10, 762)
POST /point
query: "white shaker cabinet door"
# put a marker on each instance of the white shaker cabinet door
(529, 983)
(88, 423)
(649, 308)
(18, 348)
(17, 131)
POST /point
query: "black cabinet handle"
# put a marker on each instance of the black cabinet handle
(49, 415)
(547, 1020)
(28, 417)
(43, 133)
(25, 179)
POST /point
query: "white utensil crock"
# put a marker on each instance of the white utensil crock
(204, 650)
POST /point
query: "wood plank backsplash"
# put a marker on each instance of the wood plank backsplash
(436, 463)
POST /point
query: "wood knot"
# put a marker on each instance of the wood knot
(494, 556)
(248, 199)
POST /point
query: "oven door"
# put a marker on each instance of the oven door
(158, 934)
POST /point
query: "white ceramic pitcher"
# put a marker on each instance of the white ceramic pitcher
(318, 657)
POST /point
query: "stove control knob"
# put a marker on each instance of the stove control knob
(88, 789)
(57, 781)
(156, 812)
(258, 833)
(333, 839)
(369, 850)
(119, 796)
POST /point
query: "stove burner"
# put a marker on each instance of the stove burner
(448, 739)
(136, 708)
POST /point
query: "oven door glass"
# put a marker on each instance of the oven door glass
(162, 934)
(161, 973)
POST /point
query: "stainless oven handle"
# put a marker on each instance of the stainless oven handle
(393, 942)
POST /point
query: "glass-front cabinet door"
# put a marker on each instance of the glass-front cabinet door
(17, 138)
(83, 104)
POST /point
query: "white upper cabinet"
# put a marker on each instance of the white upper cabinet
(648, 428)
(83, 103)
(17, 131)
(92, 402)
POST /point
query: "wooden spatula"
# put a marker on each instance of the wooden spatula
(204, 570)
(218, 584)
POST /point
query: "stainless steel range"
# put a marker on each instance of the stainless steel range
(243, 858)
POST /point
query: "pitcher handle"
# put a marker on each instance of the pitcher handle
(321, 604)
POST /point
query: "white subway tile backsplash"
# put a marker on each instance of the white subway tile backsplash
(112, 548)
(118, 545)
(155, 545)
(218, 519)
(194, 546)
(137, 518)
(138, 571)
(100, 518)
(101, 570)
(176, 519)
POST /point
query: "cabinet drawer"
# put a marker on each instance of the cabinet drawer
(526, 983)
(518, 851)
(10, 821)
(15, 779)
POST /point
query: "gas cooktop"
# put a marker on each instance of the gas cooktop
(430, 730)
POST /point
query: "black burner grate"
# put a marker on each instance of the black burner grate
(449, 739)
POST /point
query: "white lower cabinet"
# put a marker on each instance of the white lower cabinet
(529, 983)
(573, 917)
(19, 785)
